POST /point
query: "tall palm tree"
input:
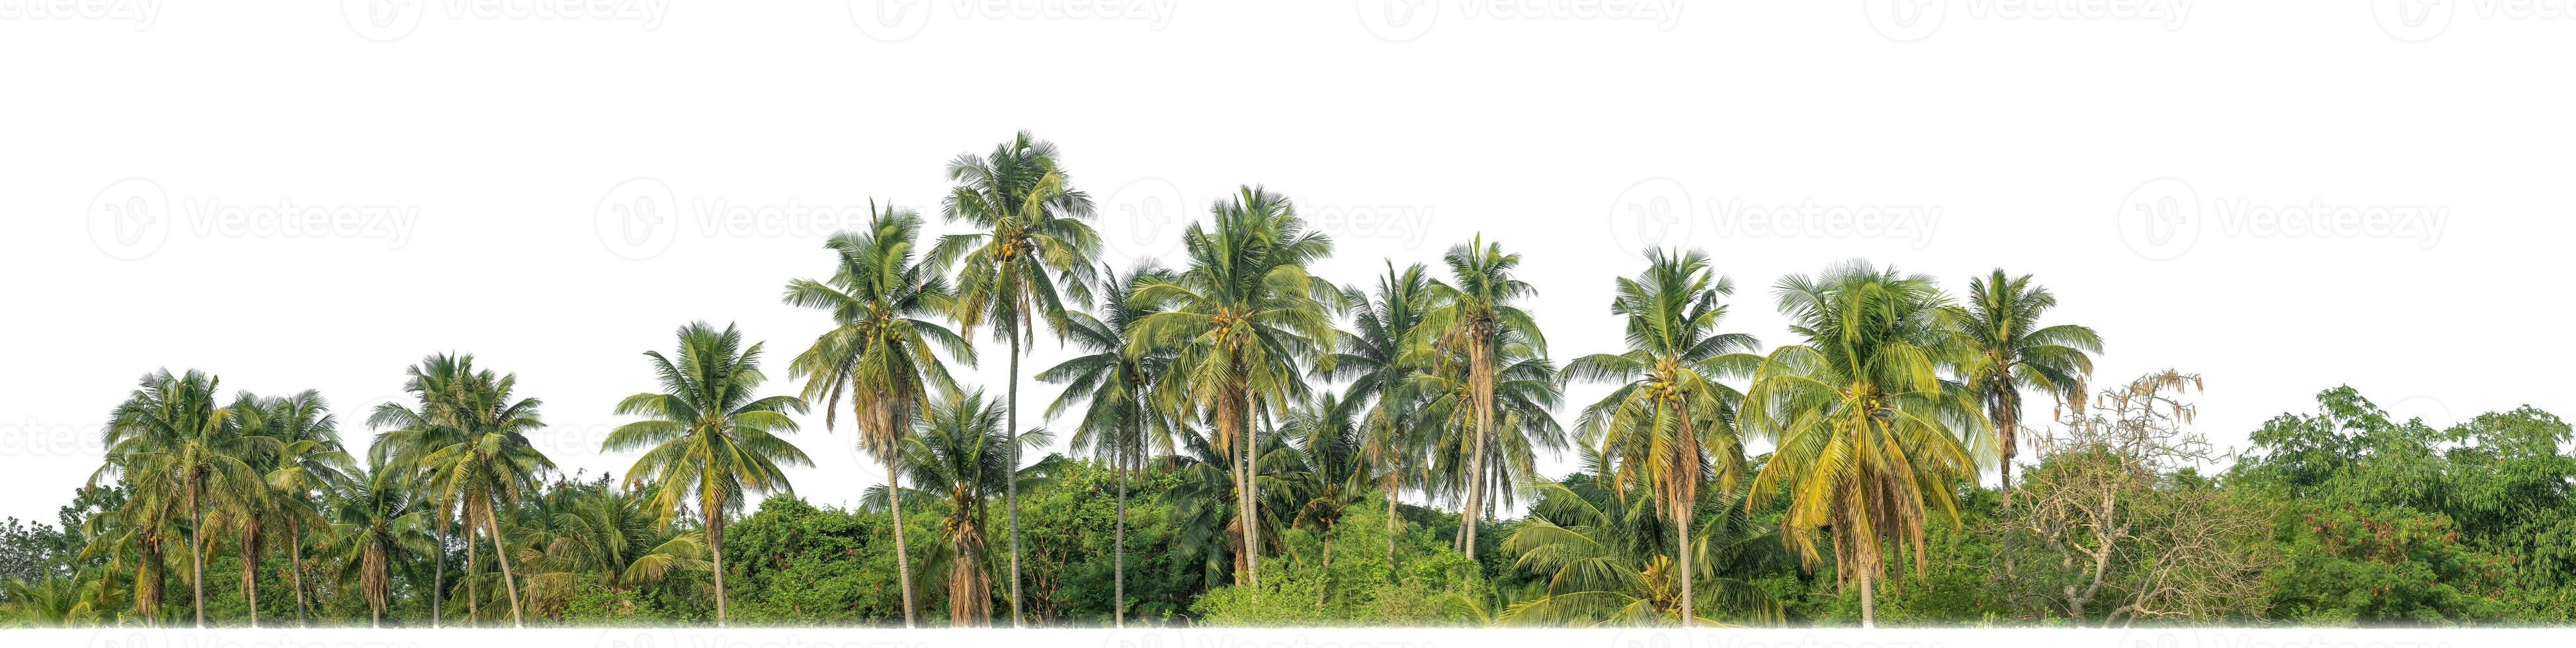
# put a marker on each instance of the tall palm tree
(960, 453)
(879, 348)
(170, 434)
(592, 531)
(469, 439)
(1470, 312)
(2009, 350)
(309, 458)
(1489, 468)
(1032, 249)
(709, 432)
(1245, 314)
(1670, 420)
(1112, 385)
(1373, 356)
(1868, 433)
(377, 526)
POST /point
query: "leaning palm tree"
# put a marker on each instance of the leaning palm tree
(1373, 357)
(708, 434)
(879, 350)
(469, 439)
(2010, 350)
(1471, 312)
(1112, 384)
(1245, 313)
(171, 435)
(960, 454)
(1032, 250)
(1669, 420)
(1868, 434)
(378, 526)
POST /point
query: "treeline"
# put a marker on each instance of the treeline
(1250, 444)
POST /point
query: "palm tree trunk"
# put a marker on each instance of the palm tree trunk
(473, 591)
(1392, 527)
(502, 555)
(1681, 547)
(438, 574)
(295, 564)
(250, 572)
(902, 558)
(1118, 587)
(1012, 493)
(714, 512)
(197, 548)
(1245, 494)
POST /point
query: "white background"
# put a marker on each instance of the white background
(505, 131)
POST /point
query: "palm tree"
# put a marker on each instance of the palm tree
(2009, 350)
(170, 434)
(1326, 452)
(620, 539)
(1470, 312)
(1373, 356)
(1670, 419)
(709, 432)
(1245, 313)
(309, 458)
(879, 349)
(1112, 384)
(1031, 251)
(960, 453)
(1868, 434)
(469, 438)
(132, 532)
(1488, 468)
(1603, 560)
(377, 525)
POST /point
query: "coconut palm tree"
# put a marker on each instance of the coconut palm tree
(708, 434)
(1112, 384)
(469, 439)
(1490, 468)
(1372, 355)
(309, 459)
(959, 453)
(1605, 556)
(1470, 313)
(131, 533)
(2009, 350)
(879, 350)
(1031, 250)
(171, 435)
(1869, 436)
(1669, 420)
(1245, 313)
(621, 539)
(378, 525)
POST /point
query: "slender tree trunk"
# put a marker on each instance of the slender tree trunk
(250, 572)
(902, 557)
(197, 548)
(1013, 475)
(1392, 526)
(1681, 546)
(473, 590)
(438, 575)
(1248, 494)
(295, 564)
(1324, 571)
(714, 513)
(499, 554)
(1118, 587)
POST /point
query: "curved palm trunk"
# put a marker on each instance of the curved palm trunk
(1480, 368)
(250, 572)
(295, 564)
(197, 547)
(501, 555)
(1011, 494)
(902, 557)
(438, 574)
